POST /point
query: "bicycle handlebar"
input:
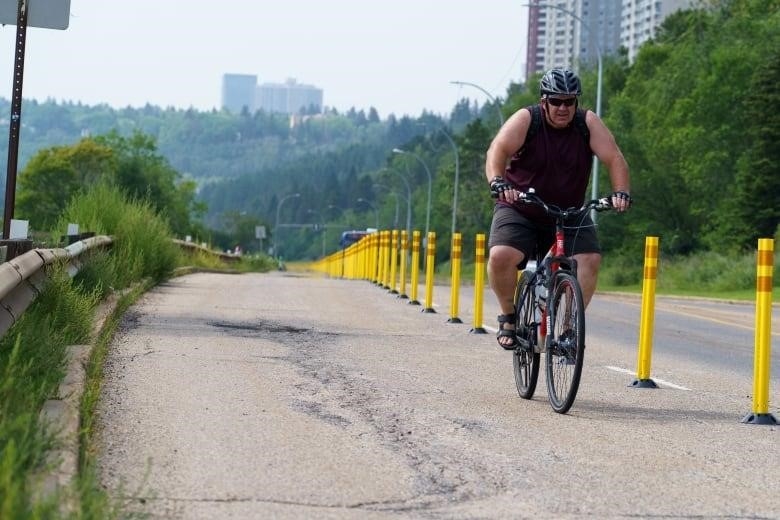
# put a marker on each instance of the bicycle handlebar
(530, 197)
(602, 204)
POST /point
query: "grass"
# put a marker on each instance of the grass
(32, 357)
(709, 275)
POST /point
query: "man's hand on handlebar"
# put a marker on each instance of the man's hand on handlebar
(500, 189)
(621, 201)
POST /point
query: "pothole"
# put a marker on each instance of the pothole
(259, 326)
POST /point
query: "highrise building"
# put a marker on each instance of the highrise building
(289, 97)
(238, 92)
(641, 19)
(572, 33)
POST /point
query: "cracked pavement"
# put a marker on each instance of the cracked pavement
(284, 396)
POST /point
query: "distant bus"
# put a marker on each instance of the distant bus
(350, 237)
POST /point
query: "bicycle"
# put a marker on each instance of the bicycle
(559, 319)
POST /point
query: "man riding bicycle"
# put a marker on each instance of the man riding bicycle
(556, 161)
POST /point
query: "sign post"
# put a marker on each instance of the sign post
(49, 14)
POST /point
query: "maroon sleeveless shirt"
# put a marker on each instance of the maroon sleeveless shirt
(556, 163)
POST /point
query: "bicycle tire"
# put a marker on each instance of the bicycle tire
(525, 358)
(566, 341)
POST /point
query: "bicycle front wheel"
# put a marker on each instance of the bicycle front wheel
(566, 341)
(525, 359)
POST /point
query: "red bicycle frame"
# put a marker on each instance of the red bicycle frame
(555, 250)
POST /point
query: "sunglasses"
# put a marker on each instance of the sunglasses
(556, 102)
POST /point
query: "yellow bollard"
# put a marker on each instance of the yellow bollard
(404, 252)
(393, 261)
(349, 272)
(455, 278)
(376, 257)
(346, 260)
(479, 284)
(386, 262)
(430, 258)
(362, 258)
(646, 320)
(763, 344)
(365, 262)
(373, 258)
(384, 245)
(415, 267)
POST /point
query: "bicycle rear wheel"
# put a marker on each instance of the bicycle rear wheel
(566, 342)
(525, 359)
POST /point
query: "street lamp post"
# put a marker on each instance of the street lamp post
(430, 186)
(488, 94)
(595, 183)
(408, 199)
(376, 211)
(457, 175)
(276, 223)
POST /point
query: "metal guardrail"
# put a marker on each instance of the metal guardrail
(23, 277)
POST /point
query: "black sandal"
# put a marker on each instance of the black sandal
(506, 333)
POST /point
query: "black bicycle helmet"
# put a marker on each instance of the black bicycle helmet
(560, 82)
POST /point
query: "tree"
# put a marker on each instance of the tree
(754, 211)
(53, 176)
(146, 175)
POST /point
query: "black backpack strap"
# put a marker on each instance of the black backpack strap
(536, 123)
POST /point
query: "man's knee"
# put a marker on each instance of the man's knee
(504, 257)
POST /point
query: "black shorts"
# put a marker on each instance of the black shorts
(510, 228)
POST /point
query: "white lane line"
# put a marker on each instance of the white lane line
(624, 370)
(658, 381)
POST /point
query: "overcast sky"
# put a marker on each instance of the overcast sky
(398, 57)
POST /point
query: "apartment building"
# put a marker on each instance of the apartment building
(238, 92)
(241, 91)
(574, 32)
(641, 19)
(289, 97)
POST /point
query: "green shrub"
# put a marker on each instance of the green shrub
(98, 274)
(621, 271)
(142, 240)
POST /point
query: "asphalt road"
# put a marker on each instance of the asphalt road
(286, 396)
